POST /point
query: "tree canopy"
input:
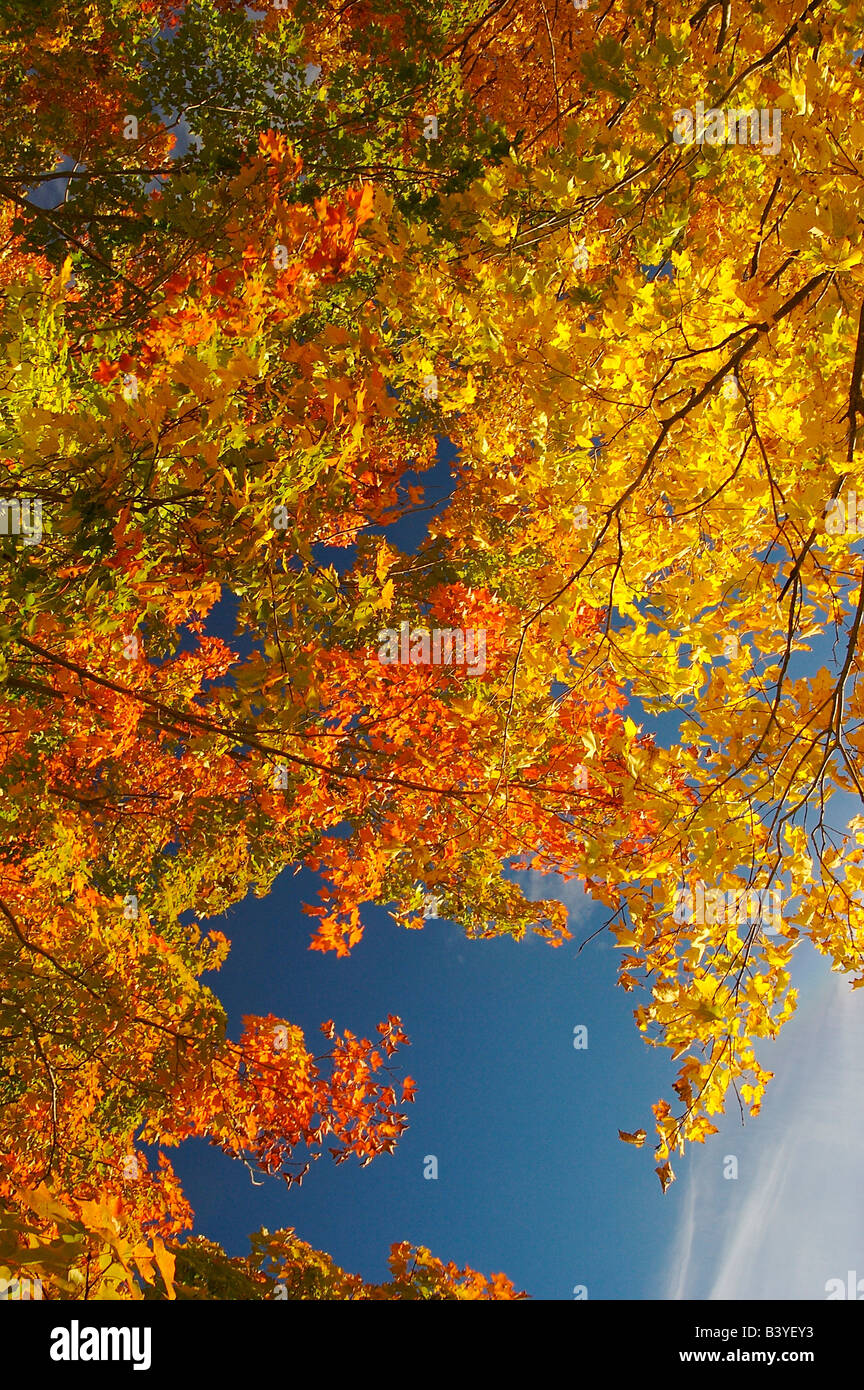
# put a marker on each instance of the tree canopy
(252, 269)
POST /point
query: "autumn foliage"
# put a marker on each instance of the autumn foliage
(220, 323)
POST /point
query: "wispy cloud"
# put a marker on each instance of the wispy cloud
(793, 1218)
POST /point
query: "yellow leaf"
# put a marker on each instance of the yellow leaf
(383, 562)
(166, 1262)
(638, 1138)
(665, 1174)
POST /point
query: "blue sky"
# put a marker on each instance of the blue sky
(532, 1178)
